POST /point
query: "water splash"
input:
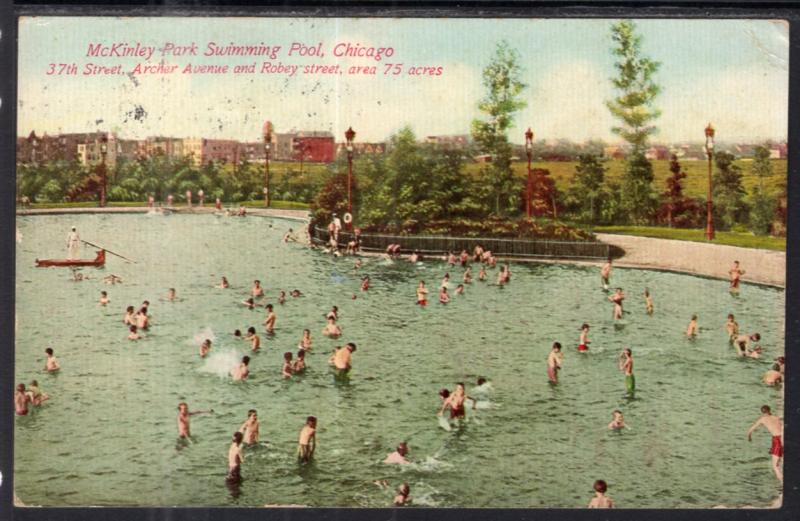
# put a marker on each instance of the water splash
(202, 335)
(220, 363)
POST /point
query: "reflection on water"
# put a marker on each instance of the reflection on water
(107, 437)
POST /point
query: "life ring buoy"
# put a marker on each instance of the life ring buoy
(348, 218)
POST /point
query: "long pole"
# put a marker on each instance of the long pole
(109, 251)
(709, 201)
(528, 205)
(266, 172)
(104, 181)
(350, 184)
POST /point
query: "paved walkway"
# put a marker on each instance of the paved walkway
(698, 258)
(264, 212)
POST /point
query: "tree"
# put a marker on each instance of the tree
(678, 210)
(637, 90)
(764, 206)
(637, 198)
(501, 78)
(634, 107)
(730, 207)
(587, 186)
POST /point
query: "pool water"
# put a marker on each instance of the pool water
(108, 435)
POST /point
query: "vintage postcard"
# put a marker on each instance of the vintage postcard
(400, 262)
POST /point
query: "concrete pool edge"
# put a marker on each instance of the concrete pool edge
(762, 267)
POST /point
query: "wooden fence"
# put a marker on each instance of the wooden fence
(438, 245)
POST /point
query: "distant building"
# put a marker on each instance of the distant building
(614, 152)
(318, 147)
(167, 146)
(203, 151)
(99, 147)
(360, 149)
(454, 142)
(657, 152)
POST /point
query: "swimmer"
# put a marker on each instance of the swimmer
(422, 294)
(50, 363)
(617, 421)
(171, 295)
(36, 394)
(334, 312)
(444, 394)
(773, 376)
(358, 264)
(617, 299)
(305, 342)
(142, 320)
(205, 347)
(554, 363)
(503, 276)
(289, 237)
(332, 330)
(600, 500)
(299, 365)
(445, 281)
(781, 361)
(459, 289)
(742, 342)
(583, 341)
(249, 428)
(342, 358)
(112, 279)
(104, 298)
(235, 459)
(455, 402)
(775, 427)
(307, 442)
(732, 327)
(444, 298)
(269, 322)
(691, 330)
(605, 274)
(365, 283)
(223, 284)
(287, 369)
(398, 457)
(626, 366)
(296, 293)
(183, 419)
(482, 274)
(129, 318)
(735, 274)
(402, 498)
(256, 290)
(477, 253)
(463, 258)
(241, 371)
(414, 257)
(21, 400)
(467, 278)
(281, 297)
(648, 302)
(451, 259)
(134, 333)
(255, 340)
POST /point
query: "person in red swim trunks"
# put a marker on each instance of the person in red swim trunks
(456, 402)
(583, 343)
(775, 427)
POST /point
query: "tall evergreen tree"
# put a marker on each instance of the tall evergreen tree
(587, 185)
(634, 108)
(501, 78)
(730, 207)
(677, 209)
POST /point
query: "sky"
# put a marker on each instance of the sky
(733, 73)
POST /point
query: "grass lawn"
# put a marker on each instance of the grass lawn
(745, 240)
(280, 205)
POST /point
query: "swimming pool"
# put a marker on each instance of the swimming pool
(108, 435)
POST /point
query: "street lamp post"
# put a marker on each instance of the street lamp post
(529, 191)
(104, 179)
(267, 130)
(709, 200)
(349, 135)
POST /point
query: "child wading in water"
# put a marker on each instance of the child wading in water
(600, 500)
(626, 366)
(307, 442)
(583, 343)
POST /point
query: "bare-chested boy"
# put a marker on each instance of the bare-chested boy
(691, 330)
(455, 402)
(583, 342)
(732, 327)
(398, 457)
(467, 278)
(104, 298)
(235, 459)
(742, 342)
(305, 342)
(617, 421)
(402, 496)
(617, 299)
(50, 362)
(736, 275)
(343, 357)
(241, 371)
(288, 367)
(171, 295)
(205, 347)
(422, 294)
(256, 291)
(554, 362)
(142, 319)
(130, 317)
(600, 500)
(269, 322)
(183, 419)
(626, 366)
(299, 365)
(21, 400)
(134, 333)
(249, 428)
(444, 297)
(307, 442)
(253, 338)
(332, 329)
(605, 274)
(775, 427)
(482, 274)
(648, 302)
(773, 376)
(36, 394)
